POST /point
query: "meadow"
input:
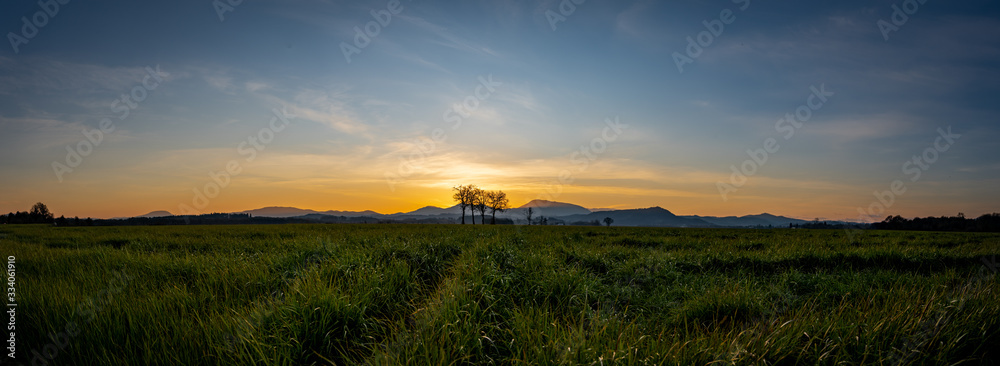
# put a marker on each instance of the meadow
(453, 294)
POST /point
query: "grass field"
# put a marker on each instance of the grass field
(451, 294)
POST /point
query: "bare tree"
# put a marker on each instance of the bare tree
(462, 196)
(497, 201)
(471, 192)
(608, 221)
(479, 204)
(528, 212)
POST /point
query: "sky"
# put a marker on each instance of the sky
(849, 110)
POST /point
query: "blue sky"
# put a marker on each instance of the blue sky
(356, 123)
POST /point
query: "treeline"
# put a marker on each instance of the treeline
(824, 225)
(205, 219)
(39, 214)
(234, 219)
(472, 197)
(987, 222)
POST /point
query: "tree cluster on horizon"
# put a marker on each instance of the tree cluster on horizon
(471, 196)
(40, 214)
(984, 223)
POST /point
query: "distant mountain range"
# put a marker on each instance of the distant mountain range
(275, 211)
(764, 219)
(550, 208)
(157, 214)
(653, 216)
(555, 212)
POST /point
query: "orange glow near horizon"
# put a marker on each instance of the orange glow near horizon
(815, 119)
(407, 199)
(292, 181)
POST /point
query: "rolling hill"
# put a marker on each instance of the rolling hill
(653, 216)
(562, 212)
(553, 209)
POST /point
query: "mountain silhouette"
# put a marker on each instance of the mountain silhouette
(434, 210)
(764, 219)
(279, 211)
(561, 212)
(553, 209)
(653, 216)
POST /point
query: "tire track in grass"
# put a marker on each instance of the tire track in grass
(447, 306)
(428, 262)
(248, 322)
(420, 320)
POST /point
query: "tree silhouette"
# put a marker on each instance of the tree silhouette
(40, 214)
(497, 201)
(608, 221)
(528, 212)
(462, 196)
(471, 192)
(988, 222)
(479, 204)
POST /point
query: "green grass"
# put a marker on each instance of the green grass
(450, 294)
